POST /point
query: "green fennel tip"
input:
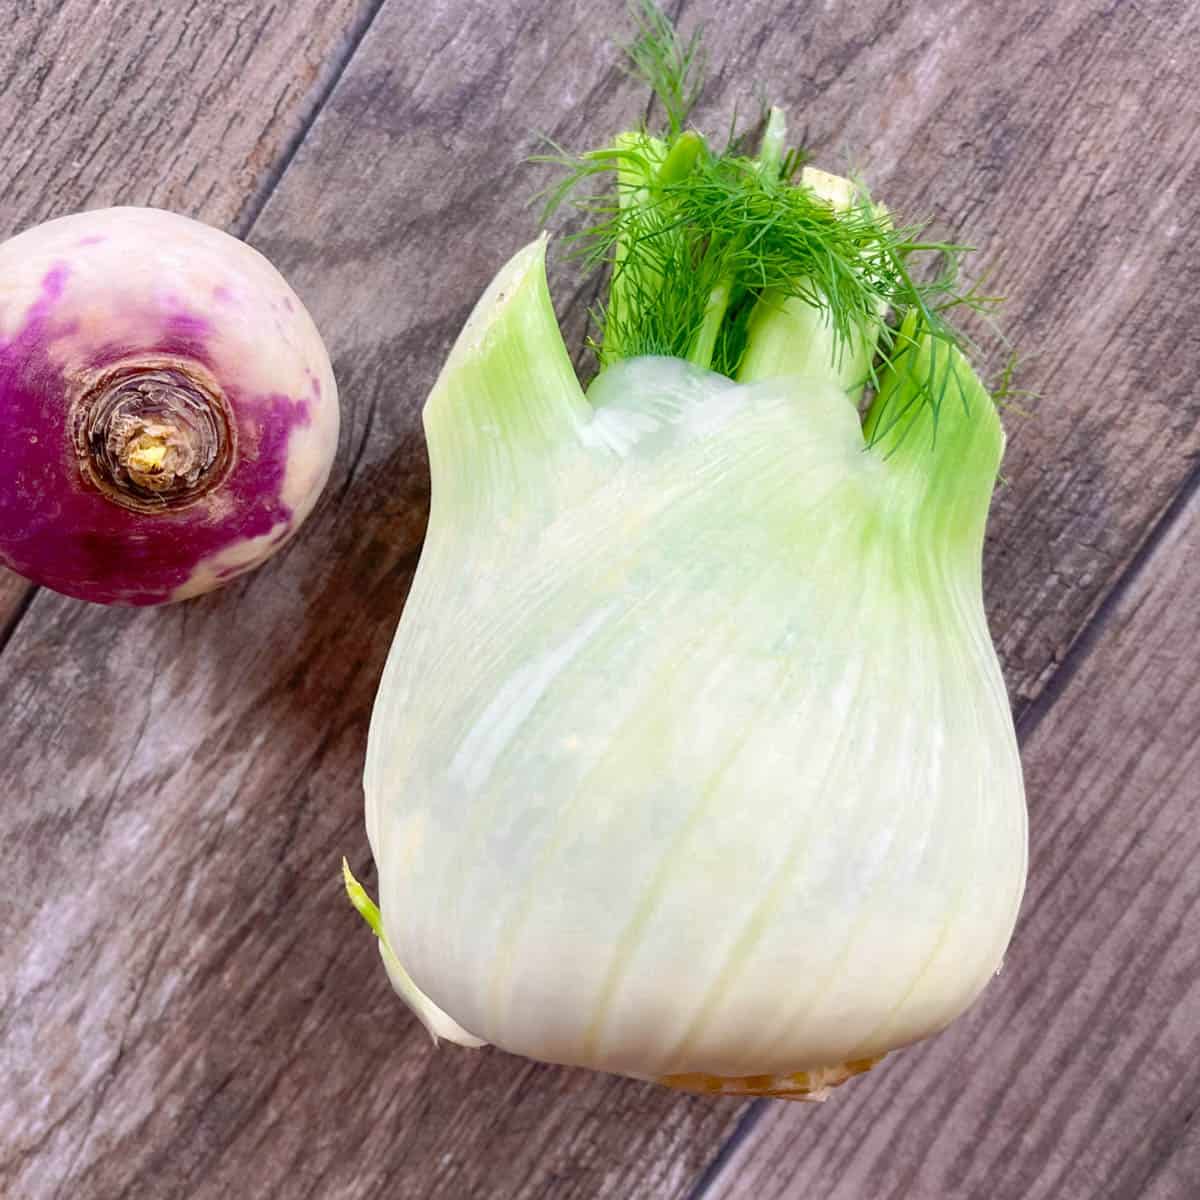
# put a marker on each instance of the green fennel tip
(367, 908)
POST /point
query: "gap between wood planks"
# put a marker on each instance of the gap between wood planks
(253, 207)
(1031, 714)
(17, 594)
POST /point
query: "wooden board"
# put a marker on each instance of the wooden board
(1076, 1076)
(193, 106)
(15, 594)
(188, 1006)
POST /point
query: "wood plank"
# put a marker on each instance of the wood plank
(1077, 1074)
(190, 106)
(188, 1005)
(15, 593)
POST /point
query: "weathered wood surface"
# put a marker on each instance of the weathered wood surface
(1077, 1075)
(15, 593)
(188, 1007)
(193, 105)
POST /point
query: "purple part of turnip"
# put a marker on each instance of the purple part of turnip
(168, 412)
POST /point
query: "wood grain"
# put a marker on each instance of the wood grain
(15, 594)
(1076, 1077)
(188, 1006)
(192, 106)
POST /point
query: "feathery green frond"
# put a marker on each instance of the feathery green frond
(695, 239)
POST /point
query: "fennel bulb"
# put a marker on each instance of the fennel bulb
(692, 758)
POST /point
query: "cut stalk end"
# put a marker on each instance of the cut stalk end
(814, 1085)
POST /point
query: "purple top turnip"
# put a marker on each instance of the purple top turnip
(168, 412)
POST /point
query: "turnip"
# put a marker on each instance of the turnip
(168, 412)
